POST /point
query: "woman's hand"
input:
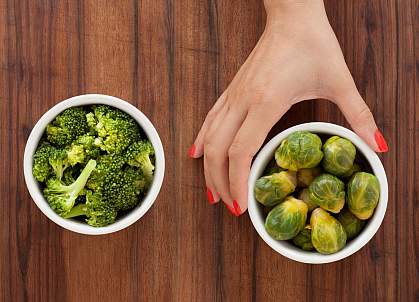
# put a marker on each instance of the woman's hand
(297, 58)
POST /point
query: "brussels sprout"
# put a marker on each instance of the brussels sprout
(287, 219)
(363, 194)
(303, 239)
(306, 176)
(350, 223)
(299, 150)
(328, 192)
(272, 189)
(339, 155)
(272, 168)
(305, 196)
(355, 168)
(327, 234)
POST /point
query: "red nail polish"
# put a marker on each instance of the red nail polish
(210, 196)
(381, 142)
(191, 151)
(237, 208)
(232, 210)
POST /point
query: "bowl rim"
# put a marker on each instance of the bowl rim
(285, 248)
(84, 100)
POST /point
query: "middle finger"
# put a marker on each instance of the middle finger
(218, 142)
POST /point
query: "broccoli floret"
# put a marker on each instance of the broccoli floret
(76, 155)
(122, 188)
(98, 212)
(48, 159)
(59, 162)
(41, 167)
(82, 149)
(68, 125)
(88, 143)
(116, 129)
(107, 165)
(91, 122)
(61, 197)
(140, 154)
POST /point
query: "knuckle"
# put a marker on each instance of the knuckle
(238, 150)
(256, 104)
(211, 151)
(208, 138)
(363, 115)
(211, 114)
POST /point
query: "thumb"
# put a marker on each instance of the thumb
(362, 121)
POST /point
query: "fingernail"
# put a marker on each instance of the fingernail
(191, 151)
(381, 142)
(237, 208)
(210, 196)
(232, 210)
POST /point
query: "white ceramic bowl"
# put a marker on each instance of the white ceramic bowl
(285, 248)
(134, 214)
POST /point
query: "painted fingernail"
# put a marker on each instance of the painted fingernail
(381, 142)
(191, 151)
(210, 196)
(237, 208)
(231, 209)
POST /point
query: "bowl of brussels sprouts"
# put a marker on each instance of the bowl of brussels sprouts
(94, 164)
(317, 193)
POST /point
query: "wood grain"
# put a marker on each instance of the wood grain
(173, 59)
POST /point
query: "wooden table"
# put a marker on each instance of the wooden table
(172, 59)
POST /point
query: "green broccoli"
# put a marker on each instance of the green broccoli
(107, 165)
(61, 197)
(140, 154)
(122, 188)
(118, 191)
(59, 162)
(93, 163)
(68, 125)
(116, 129)
(98, 212)
(69, 175)
(48, 159)
(76, 155)
(82, 149)
(91, 122)
(41, 167)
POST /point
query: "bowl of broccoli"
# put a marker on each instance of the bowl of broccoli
(94, 164)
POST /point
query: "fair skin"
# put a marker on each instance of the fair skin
(297, 58)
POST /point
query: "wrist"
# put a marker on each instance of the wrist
(279, 6)
(280, 12)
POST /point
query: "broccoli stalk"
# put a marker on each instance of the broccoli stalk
(62, 197)
(77, 210)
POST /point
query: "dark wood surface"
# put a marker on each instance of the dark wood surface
(172, 59)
